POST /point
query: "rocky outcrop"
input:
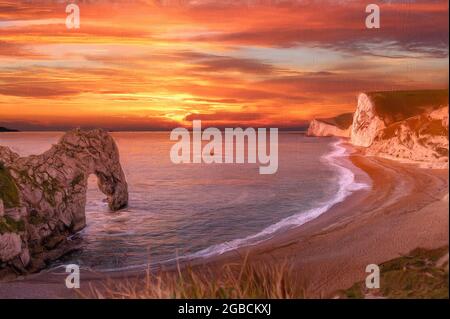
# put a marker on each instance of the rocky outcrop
(421, 139)
(44, 196)
(10, 246)
(366, 122)
(377, 110)
(335, 126)
(408, 126)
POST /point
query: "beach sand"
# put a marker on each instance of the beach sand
(405, 208)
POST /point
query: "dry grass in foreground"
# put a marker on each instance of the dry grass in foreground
(261, 280)
(420, 274)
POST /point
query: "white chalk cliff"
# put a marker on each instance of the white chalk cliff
(408, 126)
(336, 126)
(421, 139)
(366, 122)
(43, 197)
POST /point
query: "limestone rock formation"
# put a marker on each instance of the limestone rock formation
(44, 196)
(335, 126)
(377, 110)
(366, 122)
(421, 139)
(10, 246)
(409, 126)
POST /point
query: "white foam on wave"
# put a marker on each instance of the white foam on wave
(347, 185)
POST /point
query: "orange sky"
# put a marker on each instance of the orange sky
(136, 65)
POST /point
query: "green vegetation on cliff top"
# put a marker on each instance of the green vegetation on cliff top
(394, 106)
(8, 189)
(342, 121)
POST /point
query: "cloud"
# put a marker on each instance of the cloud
(150, 64)
(225, 116)
(36, 91)
(18, 50)
(107, 122)
(420, 27)
(218, 64)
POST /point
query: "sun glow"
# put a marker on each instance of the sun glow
(147, 66)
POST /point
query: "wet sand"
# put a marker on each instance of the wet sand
(405, 208)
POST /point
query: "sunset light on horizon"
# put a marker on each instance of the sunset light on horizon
(155, 65)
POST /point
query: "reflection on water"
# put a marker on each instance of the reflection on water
(182, 209)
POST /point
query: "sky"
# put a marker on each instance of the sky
(156, 65)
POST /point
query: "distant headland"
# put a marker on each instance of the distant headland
(4, 129)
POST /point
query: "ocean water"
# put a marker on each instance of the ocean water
(200, 210)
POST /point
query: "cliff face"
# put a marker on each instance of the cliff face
(43, 197)
(377, 110)
(366, 122)
(422, 139)
(409, 126)
(336, 126)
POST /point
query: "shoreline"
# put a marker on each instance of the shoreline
(349, 181)
(331, 251)
(371, 226)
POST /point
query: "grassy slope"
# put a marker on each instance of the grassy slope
(342, 121)
(421, 274)
(263, 280)
(394, 106)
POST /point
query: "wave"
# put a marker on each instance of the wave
(347, 185)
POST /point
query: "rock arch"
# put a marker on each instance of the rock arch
(52, 191)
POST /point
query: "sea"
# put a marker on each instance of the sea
(183, 211)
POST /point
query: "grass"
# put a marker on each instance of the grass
(8, 189)
(9, 225)
(394, 106)
(420, 274)
(416, 275)
(237, 281)
(342, 121)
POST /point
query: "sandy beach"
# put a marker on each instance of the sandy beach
(405, 208)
